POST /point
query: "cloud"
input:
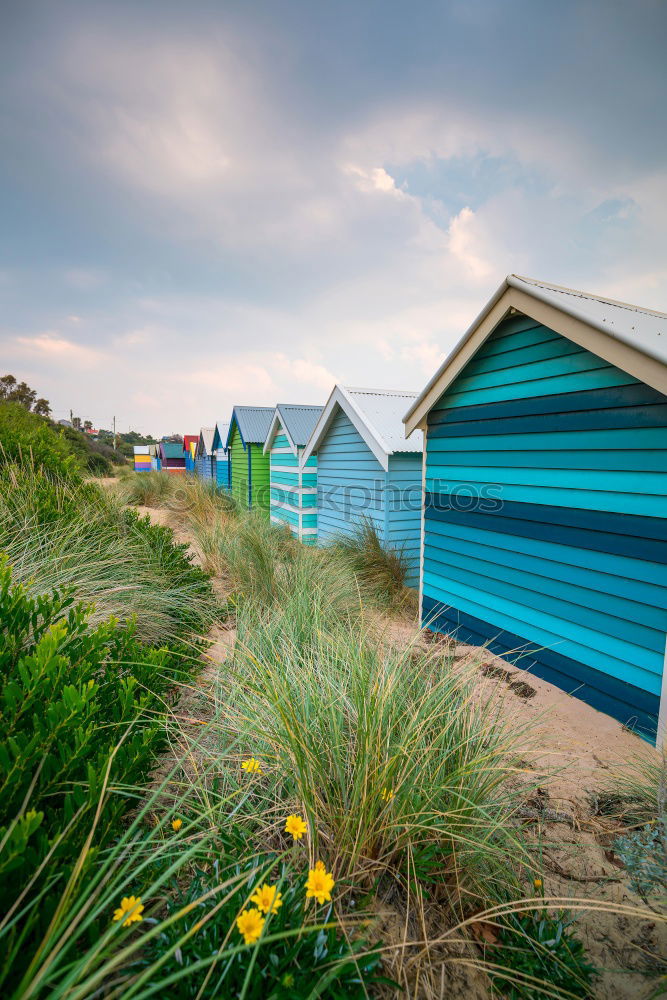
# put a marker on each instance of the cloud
(467, 245)
(55, 349)
(255, 205)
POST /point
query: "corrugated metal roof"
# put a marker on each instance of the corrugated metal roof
(383, 411)
(172, 449)
(253, 422)
(206, 437)
(643, 329)
(377, 415)
(298, 421)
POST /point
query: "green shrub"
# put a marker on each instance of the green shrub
(94, 457)
(76, 704)
(541, 956)
(644, 854)
(26, 437)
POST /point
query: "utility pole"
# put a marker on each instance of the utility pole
(115, 443)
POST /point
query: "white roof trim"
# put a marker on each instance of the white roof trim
(516, 293)
(340, 399)
(273, 430)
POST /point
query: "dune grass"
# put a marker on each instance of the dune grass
(404, 774)
(397, 766)
(61, 534)
(146, 489)
(381, 570)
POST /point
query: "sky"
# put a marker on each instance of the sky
(247, 201)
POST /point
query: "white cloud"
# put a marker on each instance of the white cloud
(55, 349)
(466, 243)
(283, 247)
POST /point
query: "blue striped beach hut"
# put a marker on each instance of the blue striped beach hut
(221, 467)
(293, 482)
(367, 470)
(545, 521)
(204, 453)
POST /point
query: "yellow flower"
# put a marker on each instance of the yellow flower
(267, 898)
(387, 794)
(251, 766)
(319, 884)
(537, 882)
(296, 826)
(131, 905)
(250, 924)
(176, 825)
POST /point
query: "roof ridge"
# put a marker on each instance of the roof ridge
(380, 392)
(579, 293)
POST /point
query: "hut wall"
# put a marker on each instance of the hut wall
(293, 490)
(352, 486)
(546, 517)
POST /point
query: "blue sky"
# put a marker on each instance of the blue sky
(243, 202)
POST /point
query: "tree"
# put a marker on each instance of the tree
(12, 391)
(42, 407)
(7, 383)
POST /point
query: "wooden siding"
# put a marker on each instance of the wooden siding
(546, 516)
(260, 479)
(250, 473)
(239, 461)
(352, 485)
(203, 466)
(404, 509)
(293, 490)
(221, 472)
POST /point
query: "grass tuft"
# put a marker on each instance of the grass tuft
(68, 535)
(381, 570)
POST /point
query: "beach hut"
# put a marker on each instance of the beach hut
(248, 430)
(189, 444)
(545, 521)
(293, 482)
(172, 458)
(204, 453)
(220, 465)
(368, 471)
(142, 458)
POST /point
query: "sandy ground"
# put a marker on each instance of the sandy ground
(576, 751)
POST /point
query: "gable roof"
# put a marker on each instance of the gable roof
(297, 421)
(629, 337)
(220, 432)
(377, 414)
(205, 441)
(189, 439)
(253, 423)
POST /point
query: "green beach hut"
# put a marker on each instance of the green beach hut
(248, 430)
